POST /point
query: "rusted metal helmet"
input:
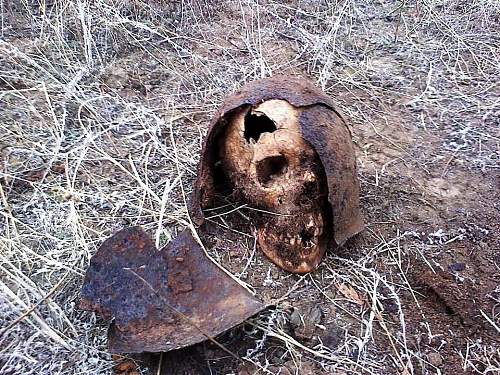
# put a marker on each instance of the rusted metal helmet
(161, 300)
(282, 147)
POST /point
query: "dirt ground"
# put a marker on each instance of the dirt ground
(103, 108)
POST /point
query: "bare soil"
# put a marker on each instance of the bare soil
(103, 108)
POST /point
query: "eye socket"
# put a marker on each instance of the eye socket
(255, 125)
(270, 168)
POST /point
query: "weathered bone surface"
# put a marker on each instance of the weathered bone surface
(161, 300)
(284, 148)
(273, 168)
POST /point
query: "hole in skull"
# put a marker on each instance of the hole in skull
(270, 168)
(306, 238)
(255, 125)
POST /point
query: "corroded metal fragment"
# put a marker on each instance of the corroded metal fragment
(161, 300)
(284, 148)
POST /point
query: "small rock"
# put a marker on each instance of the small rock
(125, 366)
(435, 359)
(296, 318)
(333, 337)
(304, 321)
(456, 267)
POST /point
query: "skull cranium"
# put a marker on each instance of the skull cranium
(275, 170)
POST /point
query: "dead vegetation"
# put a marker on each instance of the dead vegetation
(103, 108)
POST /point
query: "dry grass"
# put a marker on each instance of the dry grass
(103, 107)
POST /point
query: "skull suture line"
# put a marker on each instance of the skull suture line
(286, 151)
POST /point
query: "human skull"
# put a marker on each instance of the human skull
(274, 169)
(287, 153)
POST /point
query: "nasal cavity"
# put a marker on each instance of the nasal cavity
(306, 238)
(271, 168)
(255, 125)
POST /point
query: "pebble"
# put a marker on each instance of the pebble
(125, 366)
(457, 267)
(304, 321)
(435, 359)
